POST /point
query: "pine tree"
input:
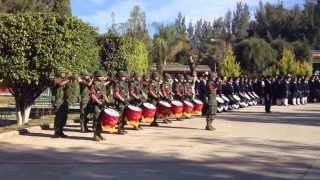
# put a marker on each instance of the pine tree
(62, 7)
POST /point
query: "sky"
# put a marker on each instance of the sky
(98, 12)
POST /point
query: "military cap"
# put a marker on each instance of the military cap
(154, 75)
(122, 74)
(98, 74)
(85, 73)
(189, 77)
(180, 76)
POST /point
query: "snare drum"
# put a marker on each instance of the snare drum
(148, 112)
(164, 109)
(198, 106)
(187, 109)
(177, 109)
(133, 115)
(109, 120)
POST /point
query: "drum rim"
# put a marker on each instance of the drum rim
(166, 104)
(179, 103)
(188, 103)
(117, 115)
(138, 109)
(153, 106)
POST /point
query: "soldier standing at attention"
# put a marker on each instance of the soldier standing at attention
(268, 94)
(121, 96)
(154, 94)
(212, 102)
(85, 85)
(98, 100)
(60, 104)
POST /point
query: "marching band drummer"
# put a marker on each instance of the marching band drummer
(178, 88)
(154, 94)
(98, 99)
(136, 92)
(166, 91)
(121, 95)
(188, 89)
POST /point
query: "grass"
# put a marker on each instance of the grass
(7, 100)
(36, 122)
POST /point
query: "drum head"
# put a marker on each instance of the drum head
(134, 108)
(188, 103)
(163, 103)
(112, 112)
(198, 101)
(177, 103)
(149, 106)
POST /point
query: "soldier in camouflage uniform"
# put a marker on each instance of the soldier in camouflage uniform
(136, 91)
(188, 89)
(212, 102)
(154, 94)
(60, 104)
(85, 84)
(121, 96)
(98, 100)
(166, 91)
(178, 88)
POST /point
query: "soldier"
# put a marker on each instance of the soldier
(154, 94)
(212, 102)
(136, 91)
(98, 102)
(178, 88)
(268, 94)
(85, 84)
(60, 104)
(189, 89)
(121, 95)
(166, 88)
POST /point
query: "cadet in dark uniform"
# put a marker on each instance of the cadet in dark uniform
(85, 84)
(212, 102)
(268, 94)
(60, 104)
(122, 97)
(98, 102)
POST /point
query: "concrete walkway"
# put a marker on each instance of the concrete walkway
(248, 144)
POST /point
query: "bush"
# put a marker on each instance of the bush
(123, 53)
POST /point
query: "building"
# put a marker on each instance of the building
(181, 69)
(316, 61)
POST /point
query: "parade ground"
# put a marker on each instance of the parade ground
(247, 144)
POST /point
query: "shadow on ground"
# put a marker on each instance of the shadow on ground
(266, 162)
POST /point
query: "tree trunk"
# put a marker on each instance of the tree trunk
(26, 114)
(18, 114)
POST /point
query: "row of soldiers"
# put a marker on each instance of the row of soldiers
(100, 92)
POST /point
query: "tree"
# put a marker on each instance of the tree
(123, 53)
(62, 7)
(255, 55)
(34, 47)
(287, 64)
(241, 20)
(230, 68)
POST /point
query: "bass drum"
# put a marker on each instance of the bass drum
(133, 115)
(109, 119)
(187, 109)
(164, 109)
(198, 106)
(177, 109)
(148, 112)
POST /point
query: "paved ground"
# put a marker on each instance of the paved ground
(247, 145)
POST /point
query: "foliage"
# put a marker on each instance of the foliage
(241, 19)
(255, 55)
(123, 53)
(62, 7)
(25, 6)
(289, 65)
(230, 68)
(33, 47)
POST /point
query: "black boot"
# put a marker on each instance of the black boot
(154, 124)
(209, 126)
